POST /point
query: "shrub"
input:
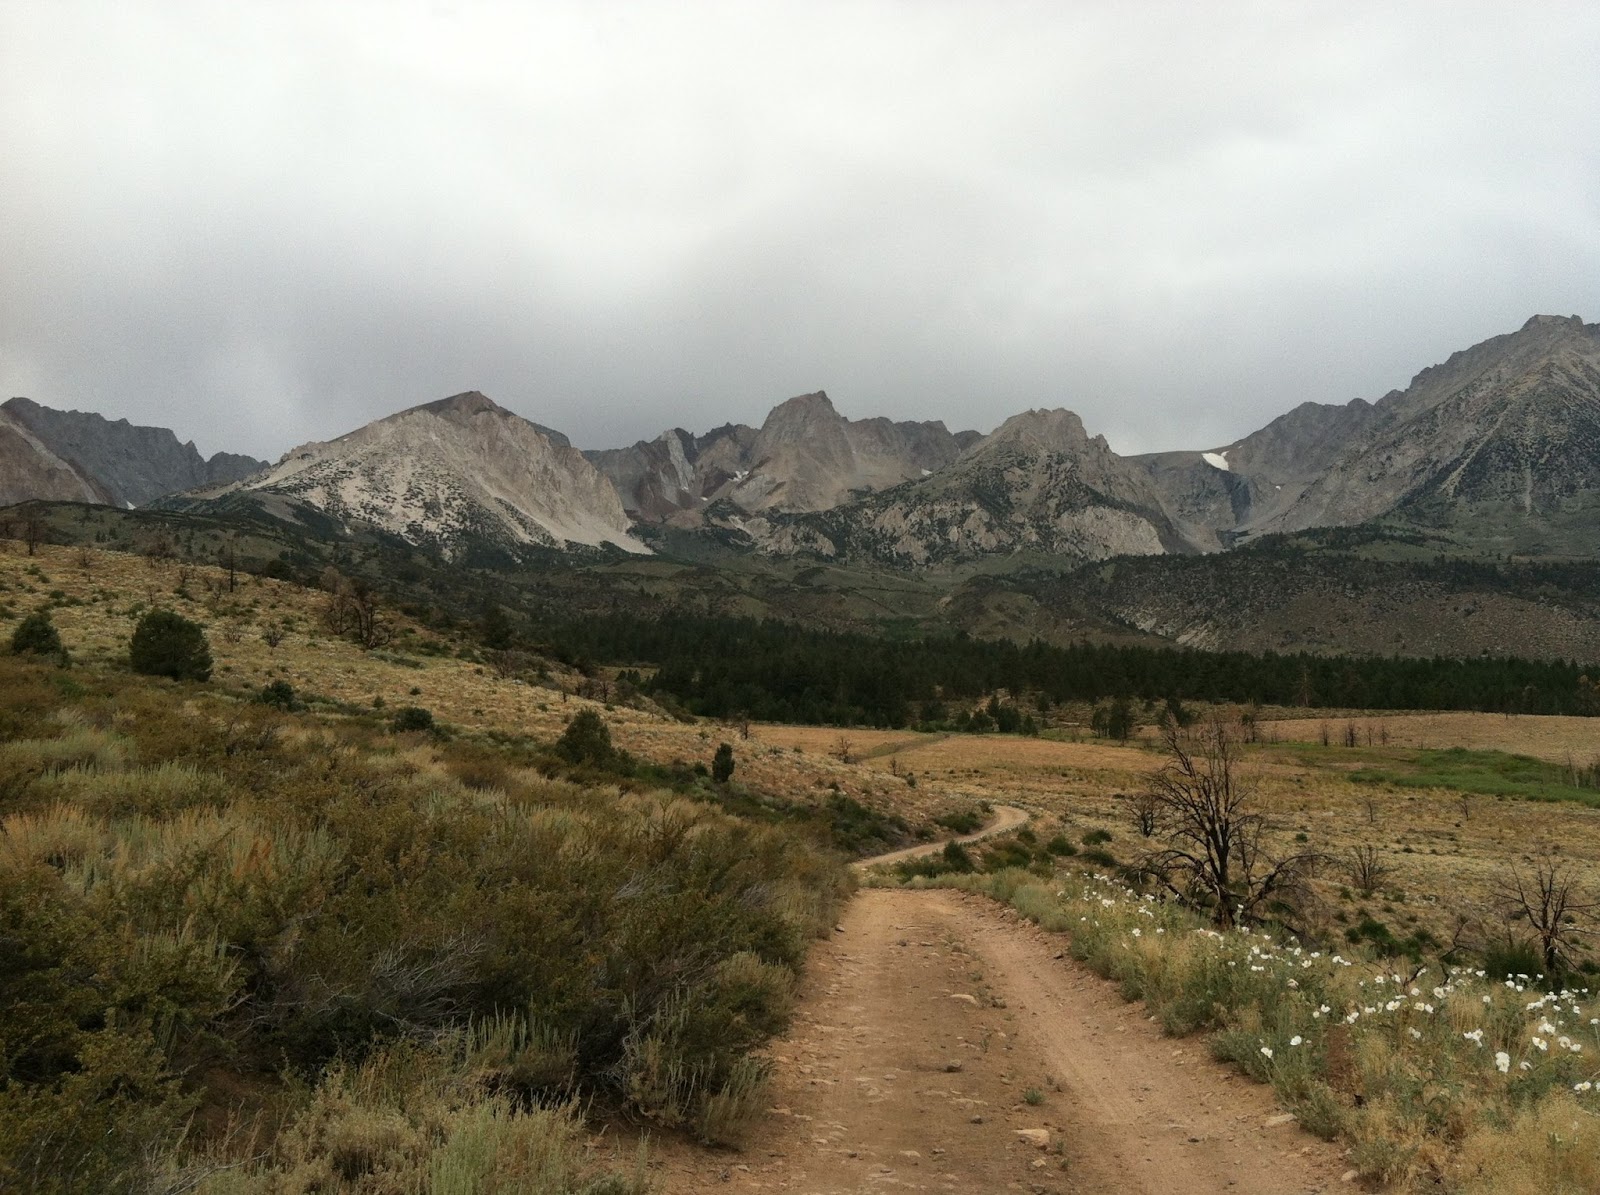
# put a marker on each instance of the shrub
(36, 635)
(587, 740)
(279, 694)
(963, 821)
(168, 644)
(722, 764)
(411, 717)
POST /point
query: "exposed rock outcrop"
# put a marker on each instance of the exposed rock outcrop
(804, 457)
(29, 469)
(1039, 483)
(125, 464)
(453, 472)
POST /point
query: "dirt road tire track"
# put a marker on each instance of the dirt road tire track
(1006, 818)
(921, 1026)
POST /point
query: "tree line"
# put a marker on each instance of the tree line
(773, 670)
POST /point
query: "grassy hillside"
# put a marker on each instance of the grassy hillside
(284, 946)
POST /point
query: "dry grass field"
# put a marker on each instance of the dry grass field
(1550, 738)
(1448, 851)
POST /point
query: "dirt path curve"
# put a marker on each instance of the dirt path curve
(940, 1044)
(1006, 817)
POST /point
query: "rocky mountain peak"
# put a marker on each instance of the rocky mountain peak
(456, 472)
(802, 415)
(1553, 321)
(467, 403)
(1040, 430)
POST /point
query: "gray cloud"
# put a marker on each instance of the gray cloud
(265, 223)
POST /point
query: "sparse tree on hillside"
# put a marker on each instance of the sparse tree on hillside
(33, 529)
(37, 635)
(168, 644)
(228, 558)
(1145, 808)
(495, 629)
(352, 608)
(722, 764)
(587, 740)
(1215, 855)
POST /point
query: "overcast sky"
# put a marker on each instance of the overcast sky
(263, 223)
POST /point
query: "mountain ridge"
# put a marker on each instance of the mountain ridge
(1494, 450)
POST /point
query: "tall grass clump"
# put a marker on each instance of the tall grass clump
(1436, 1077)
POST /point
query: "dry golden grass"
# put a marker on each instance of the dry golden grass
(1555, 739)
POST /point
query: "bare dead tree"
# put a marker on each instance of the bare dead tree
(337, 614)
(1554, 907)
(33, 529)
(160, 550)
(1367, 869)
(352, 607)
(508, 662)
(272, 636)
(371, 626)
(1145, 809)
(228, 557)
(1215, 855)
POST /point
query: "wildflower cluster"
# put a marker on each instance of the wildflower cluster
(1357, 1050)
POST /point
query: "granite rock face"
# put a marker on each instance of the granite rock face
(451, 472)
(1499, 446)
(1038, 484)
(29, 469)
(804, 457)
(126, 464)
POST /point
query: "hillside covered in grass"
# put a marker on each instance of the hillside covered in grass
(250, 947)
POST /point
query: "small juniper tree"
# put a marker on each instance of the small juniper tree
(722, 764)
(168, 644)
(36, 635)
(587, 740)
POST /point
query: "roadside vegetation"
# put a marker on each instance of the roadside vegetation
(245, 949)
(1469, 1066)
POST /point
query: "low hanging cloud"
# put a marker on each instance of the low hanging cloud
(265, 223)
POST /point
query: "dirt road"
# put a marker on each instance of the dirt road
(1006, 818)
(942, 1044)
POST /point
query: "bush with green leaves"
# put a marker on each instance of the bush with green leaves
(37, 635)
(166, 643)
(587, 741)
(280, 694)
(411, 717)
